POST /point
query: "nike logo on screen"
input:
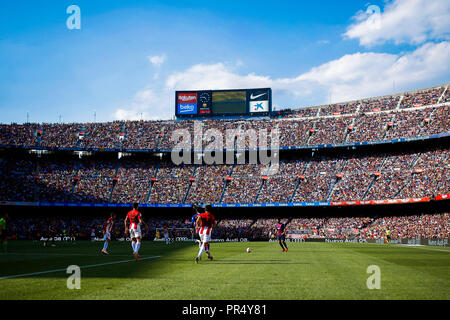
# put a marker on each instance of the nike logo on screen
(259, 95)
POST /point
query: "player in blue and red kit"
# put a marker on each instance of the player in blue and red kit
(280, 229)
(195, 230)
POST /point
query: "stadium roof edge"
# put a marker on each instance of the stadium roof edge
(370, 98)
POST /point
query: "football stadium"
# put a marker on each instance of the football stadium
(233, 197)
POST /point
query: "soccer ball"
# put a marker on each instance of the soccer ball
(249, 250)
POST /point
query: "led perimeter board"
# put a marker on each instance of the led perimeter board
(213, 103)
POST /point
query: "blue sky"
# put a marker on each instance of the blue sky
(129, 56)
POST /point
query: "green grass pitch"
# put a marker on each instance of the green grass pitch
(307, 271)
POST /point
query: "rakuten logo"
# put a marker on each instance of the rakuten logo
(187, 97)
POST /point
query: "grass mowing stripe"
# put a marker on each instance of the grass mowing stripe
(82, 267)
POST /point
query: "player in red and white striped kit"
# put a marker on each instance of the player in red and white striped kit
(107, 227)
(206, 223)
(135, 229)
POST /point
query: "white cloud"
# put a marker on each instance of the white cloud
(146, 105)
(403, 21)
(369, 74)
(157, 61)
(353, 76)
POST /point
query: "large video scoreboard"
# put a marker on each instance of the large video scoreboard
(209, 103)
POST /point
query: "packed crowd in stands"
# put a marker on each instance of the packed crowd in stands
(172, 183)
(397, 175)
(95, 181)
(446, 97)
(408, 124)
(356, 177)
(209, 183)
(281, 181)
(439, 121)
(336, 109)
(265, 228)
(235, 228)
(56, 180)
(330, 130)
(332, 228)
(429, 226)
(143, 134)
(133, 181)
(298, 113)
(245, 183)
(379, 104)
(19, 134)
(369, 127)
(327, 124)
(422, 98)
(294, 132)
(430, 175)
(420, 226)
(17, 179)
(102, 135)
(318, 178)
(60, 135)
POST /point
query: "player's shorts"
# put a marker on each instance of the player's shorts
(107, 236)
(282, 238)
(388, 237)
(205, 236)
(3, 235)
(136, 233)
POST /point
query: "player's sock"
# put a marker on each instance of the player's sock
(5, 246)
(200, 252)
(105, 246)
(133, 245)
(281, 245)
(138, 244)
(285, 245)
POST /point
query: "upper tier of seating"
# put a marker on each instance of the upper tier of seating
(407, 115)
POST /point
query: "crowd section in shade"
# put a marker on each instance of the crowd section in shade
(394, 175)
(427, 226)
(407, 115)
(419, 226)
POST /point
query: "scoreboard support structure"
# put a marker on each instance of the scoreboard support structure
(219, 103)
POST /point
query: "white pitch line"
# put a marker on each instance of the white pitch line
(431, 249)
(62, 254)
(82, 267)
